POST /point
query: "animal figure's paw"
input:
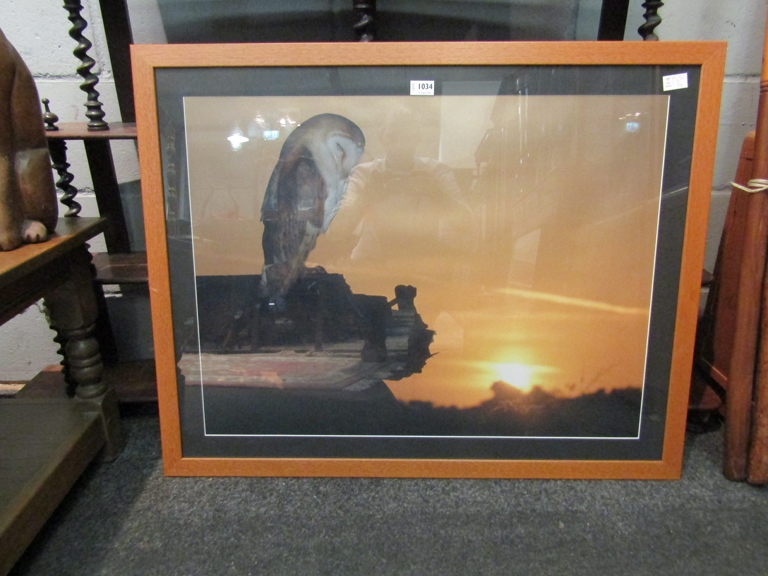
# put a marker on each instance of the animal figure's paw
(10, 240)
(33, 231)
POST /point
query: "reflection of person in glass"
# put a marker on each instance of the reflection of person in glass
(402, 213)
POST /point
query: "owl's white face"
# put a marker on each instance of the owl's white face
(345, 152)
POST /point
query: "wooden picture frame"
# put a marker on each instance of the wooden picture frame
(555, 235)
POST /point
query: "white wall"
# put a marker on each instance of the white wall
(39, 31)
(742, 24)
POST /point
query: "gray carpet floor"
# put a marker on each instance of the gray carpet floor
(125, 518)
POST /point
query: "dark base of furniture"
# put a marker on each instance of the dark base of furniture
(133, 382)
(47, 441)
(45, 445)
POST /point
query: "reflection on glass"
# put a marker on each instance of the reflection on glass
(206, 21)
(236, 140)
(490, 255)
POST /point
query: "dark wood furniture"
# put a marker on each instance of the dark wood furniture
(732, 349)
(714, 339)
(99, 154)
(46, 443)
(133, 381)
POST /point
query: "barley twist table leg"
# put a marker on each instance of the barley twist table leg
(84, 361)
(72, 312)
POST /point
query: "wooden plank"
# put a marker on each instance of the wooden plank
(714, 344)
(48, 383)
(418, 54)
(31, 271)
(25, 453)
(757, 469)
(69, 232)
(65, 440)
(31, 287)
(128, 268)
(134, 382)
(79, 131)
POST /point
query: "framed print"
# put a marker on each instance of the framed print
(426, 260)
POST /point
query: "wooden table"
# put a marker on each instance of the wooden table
(46, 443)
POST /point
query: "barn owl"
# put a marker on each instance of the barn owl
(27, 194)
(304, 194)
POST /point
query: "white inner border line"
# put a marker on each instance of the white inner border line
(655, 258)
(422, 437)
(194, 267)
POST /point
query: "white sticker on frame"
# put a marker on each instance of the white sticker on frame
(675, 82)
(422, 87)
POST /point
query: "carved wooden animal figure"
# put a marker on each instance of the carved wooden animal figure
(304, 194)
(27, 194)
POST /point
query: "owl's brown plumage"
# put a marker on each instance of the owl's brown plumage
(304, 193)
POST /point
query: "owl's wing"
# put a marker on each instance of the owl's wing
(292, 213)
(270, 239)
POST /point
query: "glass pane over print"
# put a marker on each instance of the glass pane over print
(212, 21)
(468, 265)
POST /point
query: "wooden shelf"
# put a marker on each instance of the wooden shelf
(69, 232)
(46, 446)
(134, 382)
(79, 131)
(33, 270)
(128, 268)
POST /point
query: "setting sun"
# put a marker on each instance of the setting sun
(517, 375)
